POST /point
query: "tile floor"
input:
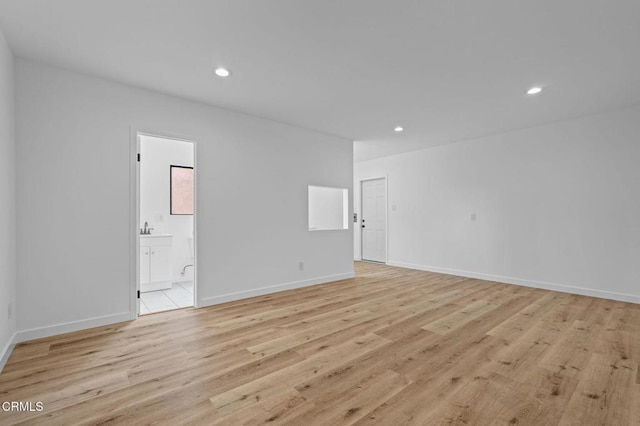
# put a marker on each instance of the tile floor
(180, 295)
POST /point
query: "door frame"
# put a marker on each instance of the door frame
(134, 213)
(386, 207)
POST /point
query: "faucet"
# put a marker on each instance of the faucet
(146, 230)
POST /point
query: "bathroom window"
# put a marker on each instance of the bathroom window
(181, 190)
(328, 208)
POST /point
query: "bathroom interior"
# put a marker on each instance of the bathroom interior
(166, 224)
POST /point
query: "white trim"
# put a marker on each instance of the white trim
(563, 288)
(386, 202)
(68, 327)
(6, 352)
(134, 212)
(196, 287)
(209, 301)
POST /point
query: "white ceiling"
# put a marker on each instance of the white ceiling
(446, 70)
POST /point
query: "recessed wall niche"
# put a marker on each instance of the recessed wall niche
(328, 208)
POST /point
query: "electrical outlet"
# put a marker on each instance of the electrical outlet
(472, 217)
(300, 266)
(9, 310)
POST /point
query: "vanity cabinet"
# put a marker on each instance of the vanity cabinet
(156, 262)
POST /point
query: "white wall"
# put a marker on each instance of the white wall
(557, 206)
(157, 156)
(8, 276)
(73, 149)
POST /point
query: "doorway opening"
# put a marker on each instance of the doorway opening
(373, 226)
(166, 239)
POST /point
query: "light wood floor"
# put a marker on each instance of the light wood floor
(389, 347)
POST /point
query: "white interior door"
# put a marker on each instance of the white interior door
(374, 220)
(153, 264)
(142, 272)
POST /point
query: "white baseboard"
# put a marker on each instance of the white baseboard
(215, 300)
(622, 297)
(67, 327)
(6, 351)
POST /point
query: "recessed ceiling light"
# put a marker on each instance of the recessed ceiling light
(222, 72)
(534, 90)
(398, 129)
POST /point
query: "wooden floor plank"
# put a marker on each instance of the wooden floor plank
(457, 319)
(603, 394)
(390, 346)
